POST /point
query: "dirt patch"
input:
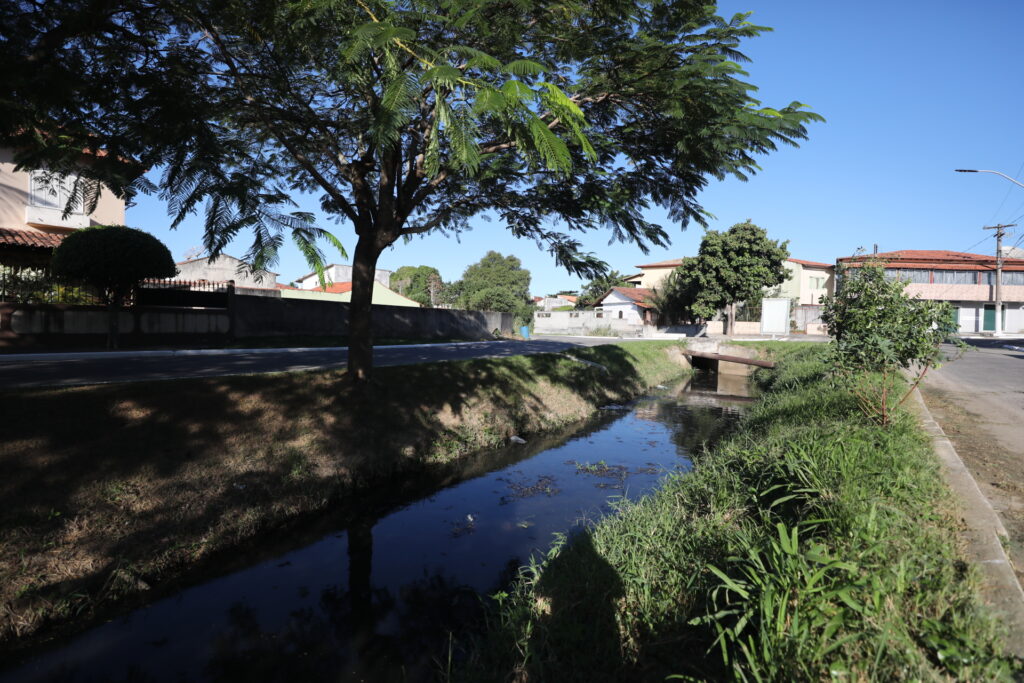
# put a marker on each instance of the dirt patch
(113, 494)
(998, 471)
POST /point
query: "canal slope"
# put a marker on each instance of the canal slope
(811, 545)
(115, 495)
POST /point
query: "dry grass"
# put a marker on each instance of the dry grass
(111, 492)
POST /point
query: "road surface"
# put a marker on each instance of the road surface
(978, 401)
(145, 367)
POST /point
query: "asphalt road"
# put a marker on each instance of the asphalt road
(146, 367)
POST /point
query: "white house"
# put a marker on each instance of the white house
(225, 268)
(631, 304)
(336, 272)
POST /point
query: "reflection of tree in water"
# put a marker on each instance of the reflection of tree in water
(695, 428)
(341, 638)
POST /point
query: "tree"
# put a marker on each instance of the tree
(598, 286)
(405, 118)
(731, 266)
(497, 283)
(114, 259)
(877, 329)
(419, 283)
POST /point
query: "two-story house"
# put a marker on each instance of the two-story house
(965, 280)
(32, 220)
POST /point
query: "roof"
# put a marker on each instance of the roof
(568, 297)
(935, 259)
(278, 285)
(810, 264)
(30, 237)
(635, 276)
(638, 295)
(334, 288)
(671, 263)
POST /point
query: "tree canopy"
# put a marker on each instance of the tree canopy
(731, 266)
(420, 283)
(598, 286)
(496, 283)
(404, 118)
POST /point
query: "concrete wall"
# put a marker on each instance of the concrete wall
(14, 200)
(984, 293)
(31, 325)
(585, 323)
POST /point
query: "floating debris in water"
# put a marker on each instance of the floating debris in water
(525, 523)
(516, 439)
(462, 528)
(544, 485)
(613, 406)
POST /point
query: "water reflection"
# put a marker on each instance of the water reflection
(379, 599)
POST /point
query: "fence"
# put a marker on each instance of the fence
(184, 293)
(28, 285)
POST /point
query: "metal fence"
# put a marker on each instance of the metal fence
(26, 285)
(184, 293)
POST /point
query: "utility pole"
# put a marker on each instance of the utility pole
(1000, 232)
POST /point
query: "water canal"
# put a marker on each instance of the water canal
(377, 599)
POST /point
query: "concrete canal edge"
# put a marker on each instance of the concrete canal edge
(983, 534)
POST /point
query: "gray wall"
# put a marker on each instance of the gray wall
(55, 325)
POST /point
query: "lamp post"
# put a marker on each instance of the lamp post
(999, 252)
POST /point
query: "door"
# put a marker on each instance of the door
(989, 322)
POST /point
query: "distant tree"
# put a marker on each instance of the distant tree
(592, 292)
(416, 282)
(878, 330)
(497, 283)
(114, 259)
(731, 266)
(403, 117)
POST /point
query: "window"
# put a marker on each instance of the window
(955, 277)
(620, 315)
(817, 282)
(1015, 277)
(52, 191)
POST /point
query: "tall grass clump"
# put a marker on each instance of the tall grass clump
(813, 544)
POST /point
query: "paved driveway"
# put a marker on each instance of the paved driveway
(62, 370)
(979, 402)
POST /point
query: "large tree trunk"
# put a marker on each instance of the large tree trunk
(360, 316)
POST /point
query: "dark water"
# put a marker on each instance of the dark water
(378, 599)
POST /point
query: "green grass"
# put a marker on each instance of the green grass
(811, 545)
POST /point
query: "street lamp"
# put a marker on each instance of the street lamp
(999, 251)
(974, 170)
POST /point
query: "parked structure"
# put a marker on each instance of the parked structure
(337, 273)
(32, 220)
(223, 268)
(965, 280)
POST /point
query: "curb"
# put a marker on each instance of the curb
(983, 534)
(87, 355)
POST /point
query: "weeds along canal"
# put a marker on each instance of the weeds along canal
(378, 599)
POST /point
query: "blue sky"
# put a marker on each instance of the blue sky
(911, 90)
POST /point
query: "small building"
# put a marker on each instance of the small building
(342, 291)
(550, 303)
(631, 304)
(339, 273)
(224, 268)
(965, 280)
(653, 274)
(808, 281)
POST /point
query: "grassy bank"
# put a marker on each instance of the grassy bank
(811, 545)
(112, 493)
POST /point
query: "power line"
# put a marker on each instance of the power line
(1007, 195)
(986, 237)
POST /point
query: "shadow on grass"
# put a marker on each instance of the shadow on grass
(107, 489)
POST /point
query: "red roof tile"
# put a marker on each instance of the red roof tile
(29, 237)
(638, 295)
(810, 264)
(935, 259)
(335, 288)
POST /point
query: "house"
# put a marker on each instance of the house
(32, 220)
(653, 274)
(342, 291)
(223, 268)
(336, 272)
(631, 304)
(808, 281)
(965, 280)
